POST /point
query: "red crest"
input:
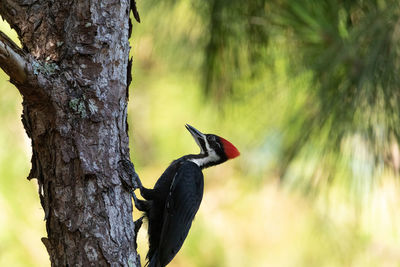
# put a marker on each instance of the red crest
(230, 150)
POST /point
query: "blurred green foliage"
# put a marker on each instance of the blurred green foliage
(308, 92)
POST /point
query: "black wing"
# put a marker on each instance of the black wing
(181, 206)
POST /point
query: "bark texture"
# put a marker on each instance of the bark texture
(72, 71)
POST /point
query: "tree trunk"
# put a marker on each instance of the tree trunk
(73, 73)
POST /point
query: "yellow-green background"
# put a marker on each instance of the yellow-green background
(247, 217)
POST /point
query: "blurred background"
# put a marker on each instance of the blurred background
(309, 93)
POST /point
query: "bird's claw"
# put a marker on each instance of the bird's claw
(133, 181)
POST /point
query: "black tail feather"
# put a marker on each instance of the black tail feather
(154, 261)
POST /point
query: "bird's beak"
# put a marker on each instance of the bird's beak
(197, 135)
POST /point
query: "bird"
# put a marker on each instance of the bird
(172, 204)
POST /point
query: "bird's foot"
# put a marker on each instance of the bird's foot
(132, 181)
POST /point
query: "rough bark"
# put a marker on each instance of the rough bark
(72, 72)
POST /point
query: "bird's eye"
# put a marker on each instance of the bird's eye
(211, 138)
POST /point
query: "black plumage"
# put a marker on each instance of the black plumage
(175, 199)
(172, 214)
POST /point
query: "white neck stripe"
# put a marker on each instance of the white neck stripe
(201, 162)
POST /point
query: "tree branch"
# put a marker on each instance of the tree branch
(12, 59)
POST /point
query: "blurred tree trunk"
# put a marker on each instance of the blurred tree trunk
(73, 73)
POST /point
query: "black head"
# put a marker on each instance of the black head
(213, 149)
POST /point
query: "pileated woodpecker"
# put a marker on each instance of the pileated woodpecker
(173, 202)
